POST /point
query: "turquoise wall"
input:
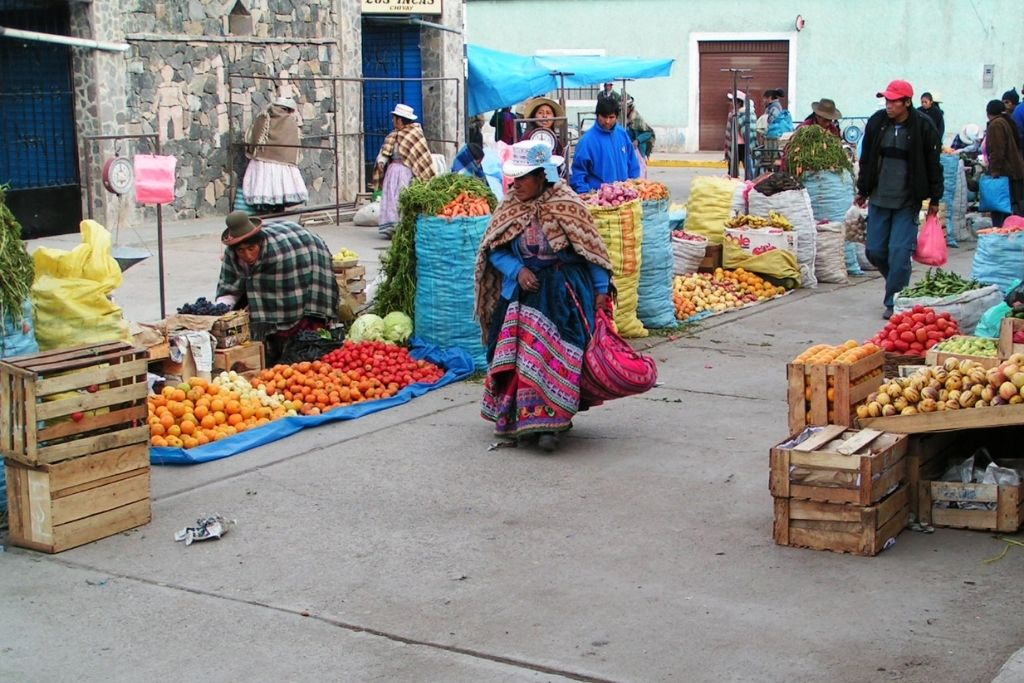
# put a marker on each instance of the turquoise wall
(846, 51)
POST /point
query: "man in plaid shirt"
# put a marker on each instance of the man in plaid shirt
(282, 273)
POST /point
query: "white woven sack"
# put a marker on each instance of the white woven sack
(796, 206)
(830, 254)
(687, 255)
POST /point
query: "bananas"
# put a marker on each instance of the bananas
(774, 220)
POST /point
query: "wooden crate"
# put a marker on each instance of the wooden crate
(839, 465)
(62, 404)
(948, 420)
(712, 258)
(59, 506)
(1007, 517)
(1006, 329)
(230, 329)
(246, 358)
(936, 357)
(926, 460)
(809, 385)
(841, 528)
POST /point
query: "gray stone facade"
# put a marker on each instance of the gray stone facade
(189, 79)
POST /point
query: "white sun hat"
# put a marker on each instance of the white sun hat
(529, 155)
(405, 111)
(286, 102)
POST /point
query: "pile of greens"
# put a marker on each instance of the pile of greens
(812, 148)
(941, 283)
(16, 271)
(398, 290)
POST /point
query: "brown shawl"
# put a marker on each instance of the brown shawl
(412, 147)
(277, 126)
(566, 223)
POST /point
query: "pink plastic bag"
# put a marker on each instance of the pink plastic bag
(931, 244)
(154, 179)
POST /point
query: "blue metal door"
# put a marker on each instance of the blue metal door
(38, 148)
(389, 51)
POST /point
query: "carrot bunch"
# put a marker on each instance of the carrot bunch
(466, 204)
(649, 190)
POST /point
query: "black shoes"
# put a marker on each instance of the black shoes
(888, 313)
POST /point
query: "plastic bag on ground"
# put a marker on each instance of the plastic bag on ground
(830, 254)
(71, 293)
(999, 259)
(445, 263)
(368, 215)
(655, 307)
(710, 205)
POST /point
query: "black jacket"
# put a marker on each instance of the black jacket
(923, 167)
(936, 115)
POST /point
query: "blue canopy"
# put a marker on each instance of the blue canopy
(502, 79)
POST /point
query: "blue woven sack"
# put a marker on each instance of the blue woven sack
(656, 308)
(445, 262)
(999, 259)
(831, 194)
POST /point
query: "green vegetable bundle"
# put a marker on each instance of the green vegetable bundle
(398, 290)
(812, 148)
(939, 282)
(16, 271)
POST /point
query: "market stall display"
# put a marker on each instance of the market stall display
(946, 292)
(700, 295)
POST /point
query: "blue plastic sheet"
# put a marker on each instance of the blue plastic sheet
(458, 366)
(999, 259)
(656, 308)
(445, 281)
(502, 79)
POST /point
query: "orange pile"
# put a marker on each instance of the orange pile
(198, 412)
(316, 387)
(847, 353)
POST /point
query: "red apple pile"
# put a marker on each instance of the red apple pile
(915, 331)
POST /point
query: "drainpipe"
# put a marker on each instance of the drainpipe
(19, 34)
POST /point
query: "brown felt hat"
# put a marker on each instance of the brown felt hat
(241, 226)
(826, 109)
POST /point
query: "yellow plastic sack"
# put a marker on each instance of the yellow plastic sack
(777, 264)
(710, 206)
(71, 293)
(622, 229)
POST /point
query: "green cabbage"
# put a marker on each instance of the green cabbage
(397, 327)
(367, 327)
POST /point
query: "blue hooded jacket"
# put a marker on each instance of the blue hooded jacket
(603, 156)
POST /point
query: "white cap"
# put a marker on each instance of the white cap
(404, 111)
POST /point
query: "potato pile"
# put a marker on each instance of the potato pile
(954, 385)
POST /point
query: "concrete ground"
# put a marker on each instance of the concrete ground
(398, 547)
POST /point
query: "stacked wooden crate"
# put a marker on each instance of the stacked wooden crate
(840, 489)
(351, 278)
(823, 394)
(74, 438)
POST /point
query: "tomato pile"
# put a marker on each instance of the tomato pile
(357, 372)
(914, 332)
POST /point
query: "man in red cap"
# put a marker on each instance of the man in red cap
(899, 169)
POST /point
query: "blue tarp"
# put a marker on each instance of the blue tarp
(502, 79)
(457, 363)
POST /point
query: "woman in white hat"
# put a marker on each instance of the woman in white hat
(544, 116)
(272, 179)
(541, 254)
(403, 156)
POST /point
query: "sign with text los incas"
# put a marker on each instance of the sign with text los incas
(401, 6)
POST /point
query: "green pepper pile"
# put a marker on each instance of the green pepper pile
(812, 148)
(16, 270)
(398, 290)
(939, 282)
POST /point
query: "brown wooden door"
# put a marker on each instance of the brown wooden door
(769, 64)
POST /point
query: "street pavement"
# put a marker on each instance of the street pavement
(400, 547)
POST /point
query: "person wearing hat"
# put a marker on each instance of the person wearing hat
(1002, 150)
(403, 156)
(968, 140)
(608, 92)
(825, 115)
(542, 116)
(272, 180)
(1011, 100)
(740, 110)
(639, 131)
(899, 169)
(282, 274)
(605, 153)
(930, 108)
(541, 255)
